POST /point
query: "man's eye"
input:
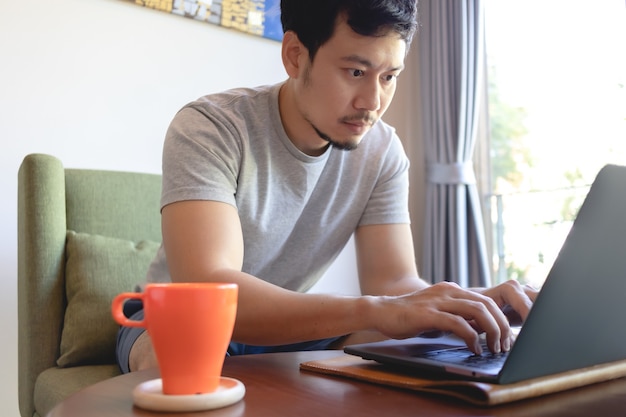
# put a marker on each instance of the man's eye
(356, 73)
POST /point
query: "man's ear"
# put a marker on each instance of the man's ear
(294, 54)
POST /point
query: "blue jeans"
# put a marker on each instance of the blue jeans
(127, 336)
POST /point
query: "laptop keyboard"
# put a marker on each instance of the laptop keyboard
(464, 356)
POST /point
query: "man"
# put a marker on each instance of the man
(263, 187)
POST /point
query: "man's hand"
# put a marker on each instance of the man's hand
(514, 299)
(447, 307)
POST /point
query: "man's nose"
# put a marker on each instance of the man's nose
(368, 97)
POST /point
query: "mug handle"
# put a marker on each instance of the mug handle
(117, 308)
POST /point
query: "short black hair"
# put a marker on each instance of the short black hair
(314, 20)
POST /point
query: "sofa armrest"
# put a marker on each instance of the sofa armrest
(41, 287)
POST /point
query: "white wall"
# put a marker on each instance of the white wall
(96, 83)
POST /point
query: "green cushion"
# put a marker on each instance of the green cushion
(54, 385)
(97, 269)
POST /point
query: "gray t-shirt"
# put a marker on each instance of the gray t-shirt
(297, 211)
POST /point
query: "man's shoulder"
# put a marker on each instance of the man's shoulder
(236, 97)
(246, 106)
(381, 139)
(382, 129)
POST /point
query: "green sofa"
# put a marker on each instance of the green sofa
(83, 236)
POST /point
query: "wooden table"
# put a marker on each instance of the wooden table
(275, 386)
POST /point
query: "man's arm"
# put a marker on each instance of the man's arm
(386, 260)
(203, 242)
(386, 263)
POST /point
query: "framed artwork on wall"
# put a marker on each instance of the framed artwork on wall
(257, 17)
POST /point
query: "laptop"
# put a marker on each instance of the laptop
(578, 319)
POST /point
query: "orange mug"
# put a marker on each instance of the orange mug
(190, 325)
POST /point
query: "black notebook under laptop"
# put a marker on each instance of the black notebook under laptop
(577, 320)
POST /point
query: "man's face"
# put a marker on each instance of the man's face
(349, 85)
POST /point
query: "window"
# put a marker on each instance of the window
(557, 113)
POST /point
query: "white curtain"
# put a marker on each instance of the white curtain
(451, 43)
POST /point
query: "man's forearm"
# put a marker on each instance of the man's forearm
(400, 286)
(270, 315)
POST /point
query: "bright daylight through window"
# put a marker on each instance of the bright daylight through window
(557, 114)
